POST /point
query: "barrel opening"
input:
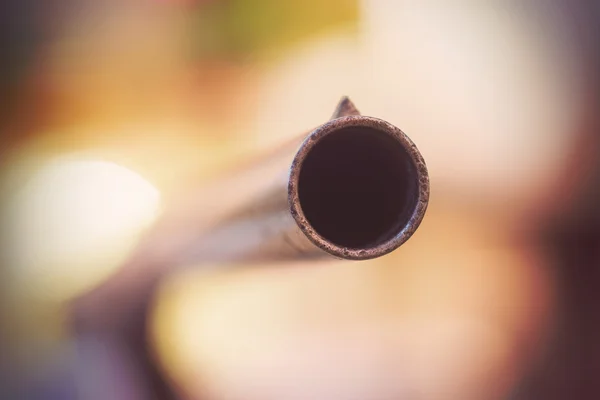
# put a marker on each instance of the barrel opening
(358, 187)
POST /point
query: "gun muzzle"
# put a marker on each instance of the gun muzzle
(356, 188)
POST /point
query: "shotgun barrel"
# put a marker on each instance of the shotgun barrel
(355, 188)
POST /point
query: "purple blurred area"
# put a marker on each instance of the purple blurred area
(110, 110)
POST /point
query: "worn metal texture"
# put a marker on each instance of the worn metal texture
(416, 171)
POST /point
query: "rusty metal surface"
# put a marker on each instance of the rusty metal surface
(419, 174)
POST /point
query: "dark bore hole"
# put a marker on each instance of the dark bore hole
(357, 187)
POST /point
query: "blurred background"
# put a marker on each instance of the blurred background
(108, 109)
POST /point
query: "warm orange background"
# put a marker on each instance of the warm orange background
(130, 101)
